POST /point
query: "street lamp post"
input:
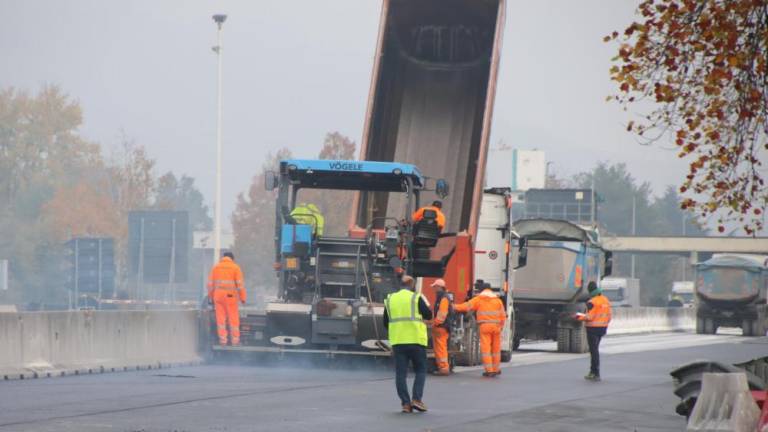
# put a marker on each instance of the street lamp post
(219, 19)
(634, 232)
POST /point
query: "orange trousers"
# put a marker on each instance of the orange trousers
(225, 304)
(440, 345)
(490, 346)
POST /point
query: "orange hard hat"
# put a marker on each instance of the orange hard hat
(438, 282)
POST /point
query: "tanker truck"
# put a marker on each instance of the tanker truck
(562, 259)
(731, 292)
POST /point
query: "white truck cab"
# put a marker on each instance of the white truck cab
(492, 255)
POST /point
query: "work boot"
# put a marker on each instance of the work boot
(442, 372)
(407, 408)
(487, 374)
(498, 372)
(592, 377)
(418, 405)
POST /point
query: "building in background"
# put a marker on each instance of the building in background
(517, 169)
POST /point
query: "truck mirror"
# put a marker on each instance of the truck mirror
(442, 188)
(522, 253)
(608, 264)
(270, 180)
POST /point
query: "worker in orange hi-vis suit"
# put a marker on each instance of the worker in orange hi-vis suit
(437, 207)
(490, 316)
(441, 326)
(225, 289)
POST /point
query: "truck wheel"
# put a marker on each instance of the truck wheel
(758, 327)
(475, 344)
(471, 354)
(747, 327)
(709, 326)
(563, 340)
(579, 340)
(699, 325)
(506, 356)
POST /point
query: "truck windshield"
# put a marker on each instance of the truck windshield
(614, 295)
(332, 206)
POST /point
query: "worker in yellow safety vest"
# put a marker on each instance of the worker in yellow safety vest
(309, 214)
(404, 314)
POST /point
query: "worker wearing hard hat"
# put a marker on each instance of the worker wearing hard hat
(435, 207)
(490, 317)
(596, 319)
(225, 289)
(404, 314)
(309, 214)
(441, 326)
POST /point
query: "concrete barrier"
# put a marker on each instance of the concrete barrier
(652, 319)
(36, 344)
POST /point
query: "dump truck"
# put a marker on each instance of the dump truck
(562, 259)
(682, 294)
(731, 292)
(431, 104)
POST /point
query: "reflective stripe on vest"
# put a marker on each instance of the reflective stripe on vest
(485, 317)
(406, 325)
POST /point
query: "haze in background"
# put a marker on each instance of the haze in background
(296, 70)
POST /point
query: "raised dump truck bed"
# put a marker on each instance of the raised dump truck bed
(431, 99)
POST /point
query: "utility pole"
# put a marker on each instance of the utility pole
(219, 19)
(634, 232)
(593, 207)
(685, 259)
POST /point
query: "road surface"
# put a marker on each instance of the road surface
(540, 390)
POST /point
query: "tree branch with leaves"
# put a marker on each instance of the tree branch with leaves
(703, 66)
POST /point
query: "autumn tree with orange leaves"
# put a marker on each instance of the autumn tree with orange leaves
(702, 64)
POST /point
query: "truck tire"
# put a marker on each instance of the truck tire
(563, 340)
(758, 327)
(699, 325)
(579, 340)
(475, 344)
(747, 327)
(471, 354)
(709, 326)
(506, 356)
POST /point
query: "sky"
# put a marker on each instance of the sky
(295, 70)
